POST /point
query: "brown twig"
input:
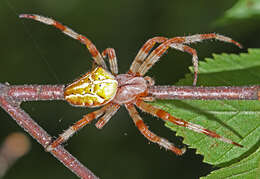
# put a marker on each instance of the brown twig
(12, 96)
(206, 93)
(10, 100)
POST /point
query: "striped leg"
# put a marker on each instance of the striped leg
(110, 52)
(161, 49)
(201, 37)
(107, 116)
(143, 52)
(77, 126)
(66, 30)
(156, 54)
(168, 117)
(195, 59)
(150, 135)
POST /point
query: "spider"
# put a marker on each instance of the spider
(111, 90)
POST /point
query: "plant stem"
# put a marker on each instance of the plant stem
(206, 93)
(10, 100)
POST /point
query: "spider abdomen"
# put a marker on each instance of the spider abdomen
(94, 89)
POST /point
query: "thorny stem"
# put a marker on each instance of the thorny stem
(12, 96)
(10, 100)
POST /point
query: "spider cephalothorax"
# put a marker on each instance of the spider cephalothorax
(110, 90)
(129, 88)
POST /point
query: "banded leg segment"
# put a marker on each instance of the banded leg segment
(156, 54)
(168, 117)
(66, 30)
(201, 37)
(110, 52)
(150, 135)
(77, 126)
(195, 59)
(107, 116)
(143, 52)
(161, 49)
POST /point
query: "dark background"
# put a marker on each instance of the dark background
(33, 53)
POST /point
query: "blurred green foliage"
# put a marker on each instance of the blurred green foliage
(33, 53)
(244, 9)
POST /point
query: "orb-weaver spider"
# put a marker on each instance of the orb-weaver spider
(101, 88)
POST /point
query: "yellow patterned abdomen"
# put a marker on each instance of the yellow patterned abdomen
(95, 88)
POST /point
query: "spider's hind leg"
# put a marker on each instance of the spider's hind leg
(107, 116)
(66, 30)
(77, 126)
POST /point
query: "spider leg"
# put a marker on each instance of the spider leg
(201, 37)
(77, 126)
(195, 59)
(168, 117)
(143, 52)
(107, 116)
(150, 135)
(156, 54)
(66, 30)
(110, 52)
(154, 57)
(149, 80)
(161, 49)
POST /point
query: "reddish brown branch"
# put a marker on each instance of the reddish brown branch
(10, 99)
(36, 92)
(206, 93)
(12, 96)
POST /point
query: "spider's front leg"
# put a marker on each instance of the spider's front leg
(168, 117)
(178, 43)
(158, 52)
(144, 51)
(195, 59)
(150, 135)
(201, 37)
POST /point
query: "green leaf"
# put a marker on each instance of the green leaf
(244, 9)
(235, 119)
(245, 169)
